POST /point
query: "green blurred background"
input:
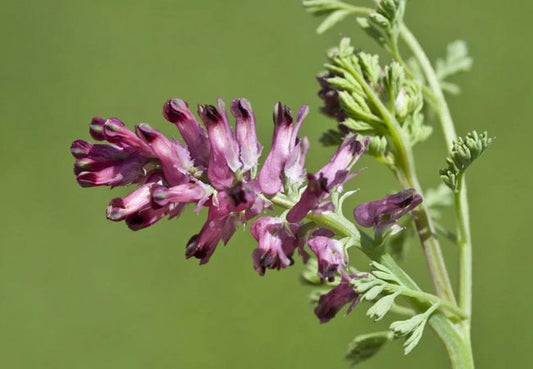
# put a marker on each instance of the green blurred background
(77, 291)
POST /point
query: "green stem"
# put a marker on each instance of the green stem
(465, 251)
(461, 199)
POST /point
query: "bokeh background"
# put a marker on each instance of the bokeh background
(77, 291)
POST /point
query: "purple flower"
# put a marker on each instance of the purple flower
(177, 111)
(183, 193)
(385, 212)
(329, 252)
(225, 212)
(224, 155)
(277, 243)
(114, 131)
(294, 167)
(174, 157)
(138, 209)
(335, 173)
(249, 148)
(107, 165)
(333, 301)
(96, 128)
(284, 141)
(316, 191)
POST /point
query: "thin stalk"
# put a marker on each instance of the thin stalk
(461, 199)
(465, 251)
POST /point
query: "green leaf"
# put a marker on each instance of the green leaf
(381, 307)
(365, 346)
(414, 327)
(373, 293)
(414, 338)
(384, 24)
(331, 20)
(378, 146)
(404, 327)
(463, 153)
(457, 60)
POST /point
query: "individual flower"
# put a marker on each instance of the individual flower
(224, 155)
(329, 253)
(226, 211)
(385, 212)
(245, 134)
(177, 111)
(339, 296)
(120, 163)
(333, 174)
(287, 154)
(276, 243)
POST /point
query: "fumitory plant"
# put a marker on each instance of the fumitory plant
(382, 109)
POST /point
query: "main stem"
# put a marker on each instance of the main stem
(461, 199)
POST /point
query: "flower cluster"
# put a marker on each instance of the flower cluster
(217, 168)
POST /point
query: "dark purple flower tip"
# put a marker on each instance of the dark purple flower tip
(115, 210)
(338, 169)
(241, 109)
(210, 115)
(332, 302)
(147, 217)
(117, 133)
(146, 132)
(176, 110)
(388, 210)
(89, 179)
(80, 149)
(191, 248)
(89, 165)
(112, 126)
(96, 128)
(282, 114)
